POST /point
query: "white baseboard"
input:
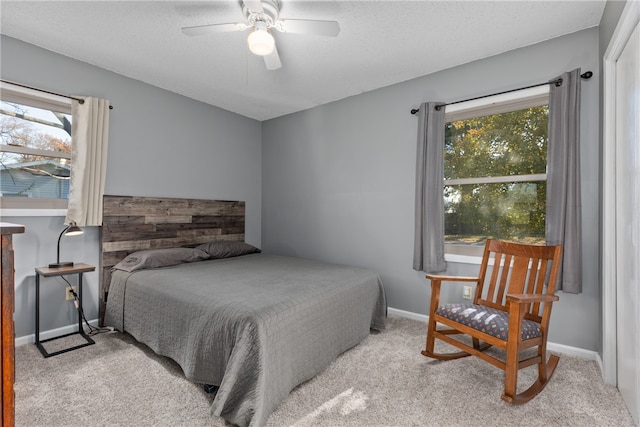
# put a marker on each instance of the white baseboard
(408, 315)
(52, 333)
(573, 351)
(557, 348)
(601, 366)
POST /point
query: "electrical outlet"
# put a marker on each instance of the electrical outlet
(69, 295)
(466, 292)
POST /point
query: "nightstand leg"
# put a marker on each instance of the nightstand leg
(37, 310)
(80, 328)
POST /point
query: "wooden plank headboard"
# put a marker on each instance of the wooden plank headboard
(131, 224)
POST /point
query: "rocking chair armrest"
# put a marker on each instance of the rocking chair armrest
(441, 278)
(529, 298)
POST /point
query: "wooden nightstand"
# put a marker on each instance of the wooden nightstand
(78, 269)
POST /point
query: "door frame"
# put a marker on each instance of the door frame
(627, 23)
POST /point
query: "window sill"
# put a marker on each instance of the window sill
(463, 259)
(33, 212)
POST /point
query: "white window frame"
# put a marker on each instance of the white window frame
(20, 206)
(497, 104)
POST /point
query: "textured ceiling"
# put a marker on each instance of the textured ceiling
(380, 43)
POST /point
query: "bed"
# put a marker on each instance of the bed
(255, 325)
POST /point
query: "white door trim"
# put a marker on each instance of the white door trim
(626, 25)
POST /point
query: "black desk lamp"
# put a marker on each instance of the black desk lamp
(71, 230)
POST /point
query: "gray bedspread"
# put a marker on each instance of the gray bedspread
(256, 325)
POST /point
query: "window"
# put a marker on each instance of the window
(495, 170)
(35, 149)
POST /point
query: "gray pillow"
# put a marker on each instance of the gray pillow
(227, 249)
(154, 258)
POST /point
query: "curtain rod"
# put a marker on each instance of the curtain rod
(558, 82)
(80, 100)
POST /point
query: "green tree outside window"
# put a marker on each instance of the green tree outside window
(495, 182)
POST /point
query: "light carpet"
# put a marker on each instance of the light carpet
(384, 381)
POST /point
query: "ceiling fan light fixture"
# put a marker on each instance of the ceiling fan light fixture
(260, 41)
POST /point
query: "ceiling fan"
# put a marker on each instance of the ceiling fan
(262, 17)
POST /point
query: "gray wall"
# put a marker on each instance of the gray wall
(160, 144)
(338, 180)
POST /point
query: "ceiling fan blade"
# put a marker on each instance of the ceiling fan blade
(305, 26)
(213, 28)
(254, 5)
(272, 61)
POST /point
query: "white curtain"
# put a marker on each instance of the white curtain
(90, 139)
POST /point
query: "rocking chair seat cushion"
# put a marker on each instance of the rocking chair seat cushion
(488, 320)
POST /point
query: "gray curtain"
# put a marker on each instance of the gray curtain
(563, 222)
(428, 250)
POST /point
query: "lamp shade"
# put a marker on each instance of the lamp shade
(260, 41)
(73, 230)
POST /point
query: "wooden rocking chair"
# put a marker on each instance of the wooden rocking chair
(512, 314)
